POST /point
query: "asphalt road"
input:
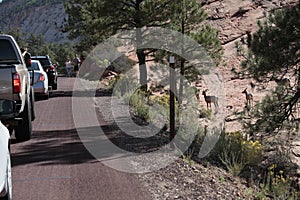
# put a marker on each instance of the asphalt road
(55, 165)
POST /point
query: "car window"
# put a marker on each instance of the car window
(35, 66)
(7, 51)
(44, 62)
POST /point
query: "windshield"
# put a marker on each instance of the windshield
(44, 61)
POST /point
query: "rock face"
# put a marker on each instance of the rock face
(232, 17)
(46, 20)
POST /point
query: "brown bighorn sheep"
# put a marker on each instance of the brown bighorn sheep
(249, 97)
(210, 99)
(285, 82)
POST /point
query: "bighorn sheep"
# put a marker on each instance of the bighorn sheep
(249, 97)
(210, 99)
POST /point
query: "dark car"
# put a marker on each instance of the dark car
(49, 69)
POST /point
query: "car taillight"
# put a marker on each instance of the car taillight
(42, 77)
(16, 83)
(52, 67)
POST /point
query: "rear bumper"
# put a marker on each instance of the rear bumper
(40, 88)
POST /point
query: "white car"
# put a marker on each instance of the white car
(5, 165)
(40, 82)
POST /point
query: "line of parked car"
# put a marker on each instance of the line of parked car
(44, 77)
(21, 78)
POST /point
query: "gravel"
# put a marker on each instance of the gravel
(181, 180)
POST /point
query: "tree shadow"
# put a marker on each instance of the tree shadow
(85, 93)
(50, 148)
(66, 147)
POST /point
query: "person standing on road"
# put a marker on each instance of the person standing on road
(69, 67)
(27, 56)
(76, 64)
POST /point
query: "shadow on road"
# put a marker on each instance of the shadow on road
(50, 148)
(85, 93)
(65, 147)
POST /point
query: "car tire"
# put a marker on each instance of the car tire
(46, 97)
(24, 129)
(54, 86)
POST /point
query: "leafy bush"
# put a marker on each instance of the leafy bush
(235, 151)
(142, 111)
(279, 185)
(160, 99)
(139, 101)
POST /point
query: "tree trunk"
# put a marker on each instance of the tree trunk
(142, 60)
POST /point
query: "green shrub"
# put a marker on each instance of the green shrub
(278, 185)
(111, 83)
(142, 111)
(235, 151)
(163, 100)
(139, 102)
(135, 100)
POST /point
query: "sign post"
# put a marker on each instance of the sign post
(172, 98)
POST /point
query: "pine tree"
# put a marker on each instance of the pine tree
(274, 54)
(190, 20)
(93, 21)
